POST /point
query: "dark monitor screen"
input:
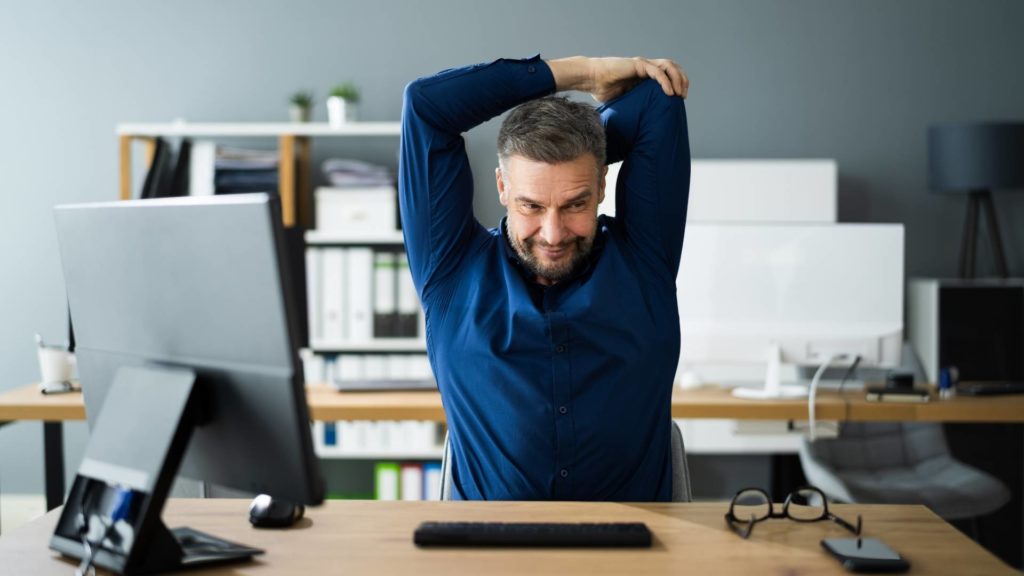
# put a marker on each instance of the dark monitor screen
(197, 283)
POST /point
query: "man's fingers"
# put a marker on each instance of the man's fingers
(675, 75)
(654, 71)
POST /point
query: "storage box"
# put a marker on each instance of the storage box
(363, 211)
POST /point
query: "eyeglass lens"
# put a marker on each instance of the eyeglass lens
(806, 505)
(751, 504)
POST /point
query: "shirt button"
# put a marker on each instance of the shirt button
(563, 410)
(564, 473)
(560, 348)
(530, 69)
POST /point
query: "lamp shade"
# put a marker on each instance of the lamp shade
(966, 157)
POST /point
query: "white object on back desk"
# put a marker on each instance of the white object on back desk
(748, 191)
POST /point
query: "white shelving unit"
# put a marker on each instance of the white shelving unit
(257, 129)
(293, 142)
(376, 345)
(317, 238)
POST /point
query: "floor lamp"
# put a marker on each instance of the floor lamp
(975, 159)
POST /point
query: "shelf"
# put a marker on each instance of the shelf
(375, 345)
(432, 454)
(318, 238)
(243, 129)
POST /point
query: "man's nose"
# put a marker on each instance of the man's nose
(552, 230)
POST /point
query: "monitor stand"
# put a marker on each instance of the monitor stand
(135, 448)
(773, 388)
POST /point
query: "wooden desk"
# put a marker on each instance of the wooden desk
(706, 402)
(366, 537)
(711, 402)
(26, 403)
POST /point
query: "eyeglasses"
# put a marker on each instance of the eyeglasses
(807, 504)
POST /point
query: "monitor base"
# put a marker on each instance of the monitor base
(783, 391)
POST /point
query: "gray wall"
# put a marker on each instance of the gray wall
(858, 81)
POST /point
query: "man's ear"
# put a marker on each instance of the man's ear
(601, 180)
(502, 191)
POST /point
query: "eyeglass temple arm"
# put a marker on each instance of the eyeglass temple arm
(847, 525)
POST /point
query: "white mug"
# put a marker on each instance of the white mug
(56, 365)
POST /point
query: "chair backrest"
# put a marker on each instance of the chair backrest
(878, 445)
(681, 489)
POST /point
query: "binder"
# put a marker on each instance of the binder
(432, 481)
(386, 481)
(359, 285)
(412, 481)
(408, 300)
(314, 305)
(384, 295)
(332, 302)
(330, 434)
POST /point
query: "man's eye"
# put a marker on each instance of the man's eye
(531, 207)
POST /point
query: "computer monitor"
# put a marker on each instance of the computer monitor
(186, 333)
(759, 295)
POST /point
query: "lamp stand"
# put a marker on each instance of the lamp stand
(981, 199)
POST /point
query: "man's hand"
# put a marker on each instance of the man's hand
(607, 78)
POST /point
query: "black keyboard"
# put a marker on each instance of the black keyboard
(606, 534)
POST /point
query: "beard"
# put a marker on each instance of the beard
(577, 252)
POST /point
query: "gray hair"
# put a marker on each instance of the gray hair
(552, 130)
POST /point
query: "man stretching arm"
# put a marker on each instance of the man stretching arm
(554, 337)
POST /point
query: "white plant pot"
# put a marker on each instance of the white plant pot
(298, 114)
(340, 111)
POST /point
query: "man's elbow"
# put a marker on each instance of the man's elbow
(412, 97)
(660, 102)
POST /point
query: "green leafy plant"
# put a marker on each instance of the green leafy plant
(346, 91)
(302, 99)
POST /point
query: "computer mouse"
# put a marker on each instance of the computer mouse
(267, 512)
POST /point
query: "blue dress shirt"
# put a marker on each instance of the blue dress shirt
(563, 392)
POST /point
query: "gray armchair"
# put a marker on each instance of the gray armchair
(900, 463)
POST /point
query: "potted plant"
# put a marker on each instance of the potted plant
(341, 104)
(301, 105)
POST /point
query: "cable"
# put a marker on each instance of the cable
(812, 393)
(846, 376)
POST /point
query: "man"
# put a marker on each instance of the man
(554, 337)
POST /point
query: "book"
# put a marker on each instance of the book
(883, 394)
(157, 180)
(202, 168)
(179, 178)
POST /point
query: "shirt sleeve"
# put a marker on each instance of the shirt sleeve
(435, 184)
(647, 130)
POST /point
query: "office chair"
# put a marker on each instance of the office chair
(901, 463)
(681, 490)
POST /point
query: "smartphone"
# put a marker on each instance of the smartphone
(865, 555)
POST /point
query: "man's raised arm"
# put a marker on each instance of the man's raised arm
(435, 183)
(645, 121)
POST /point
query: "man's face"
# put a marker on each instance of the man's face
(552, 212)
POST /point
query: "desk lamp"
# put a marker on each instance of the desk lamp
(974, 159)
